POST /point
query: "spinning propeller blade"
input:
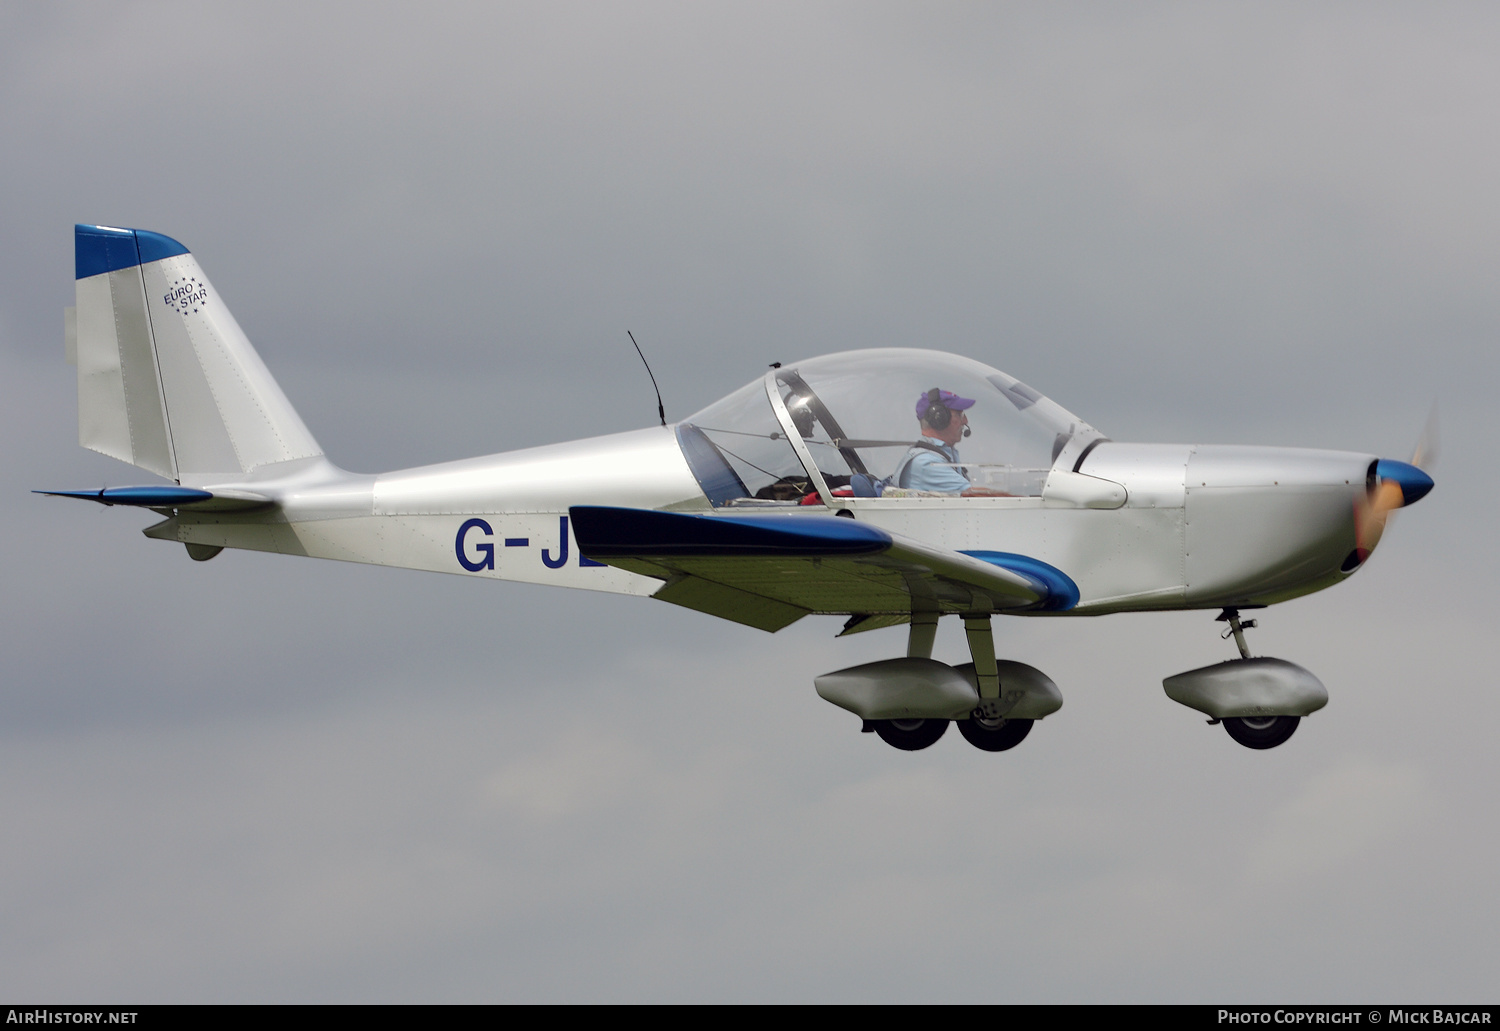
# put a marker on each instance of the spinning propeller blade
(1425, 455)
(1393, 485)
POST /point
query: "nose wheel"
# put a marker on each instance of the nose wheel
(1257, 732)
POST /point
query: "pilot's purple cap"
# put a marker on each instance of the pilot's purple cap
(945, 398)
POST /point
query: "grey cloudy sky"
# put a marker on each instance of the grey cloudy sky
(267, 779)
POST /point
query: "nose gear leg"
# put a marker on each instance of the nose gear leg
(1236, 628)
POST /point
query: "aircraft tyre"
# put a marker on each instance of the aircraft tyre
(1261, 731)
(994, 735)
(910, 735)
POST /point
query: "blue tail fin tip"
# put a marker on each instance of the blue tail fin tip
(100, 249)
(155, 246)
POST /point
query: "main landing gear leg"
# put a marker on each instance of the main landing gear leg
(982, 648)
(923, 633)
(1253, 731)
(913, 734)
(986, 728)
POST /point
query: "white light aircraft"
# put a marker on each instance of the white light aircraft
(833, 486)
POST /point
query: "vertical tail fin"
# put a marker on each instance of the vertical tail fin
(167, 380)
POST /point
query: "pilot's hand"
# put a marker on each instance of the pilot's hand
(985, 492)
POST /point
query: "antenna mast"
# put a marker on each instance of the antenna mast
(661, 411)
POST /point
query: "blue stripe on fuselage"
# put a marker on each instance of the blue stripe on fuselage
(625, 532)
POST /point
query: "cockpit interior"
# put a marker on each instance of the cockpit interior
(847, 426)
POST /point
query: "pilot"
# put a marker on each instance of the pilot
(932, 463)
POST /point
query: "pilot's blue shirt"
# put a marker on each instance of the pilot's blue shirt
(930, 471)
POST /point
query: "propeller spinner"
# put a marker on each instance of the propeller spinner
(1391, 485)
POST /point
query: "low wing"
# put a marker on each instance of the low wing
(768, 571)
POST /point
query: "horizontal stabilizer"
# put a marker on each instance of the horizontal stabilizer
(769, 570)
(167, 496)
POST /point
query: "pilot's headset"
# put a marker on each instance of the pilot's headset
(938, 415)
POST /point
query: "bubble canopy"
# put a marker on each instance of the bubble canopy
(851, 421)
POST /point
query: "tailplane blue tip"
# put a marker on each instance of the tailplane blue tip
(164, 496)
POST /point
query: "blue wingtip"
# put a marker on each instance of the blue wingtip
(1414, 482)
(99, 249)
(1060, 590)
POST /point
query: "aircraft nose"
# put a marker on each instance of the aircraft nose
(1414, 483)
